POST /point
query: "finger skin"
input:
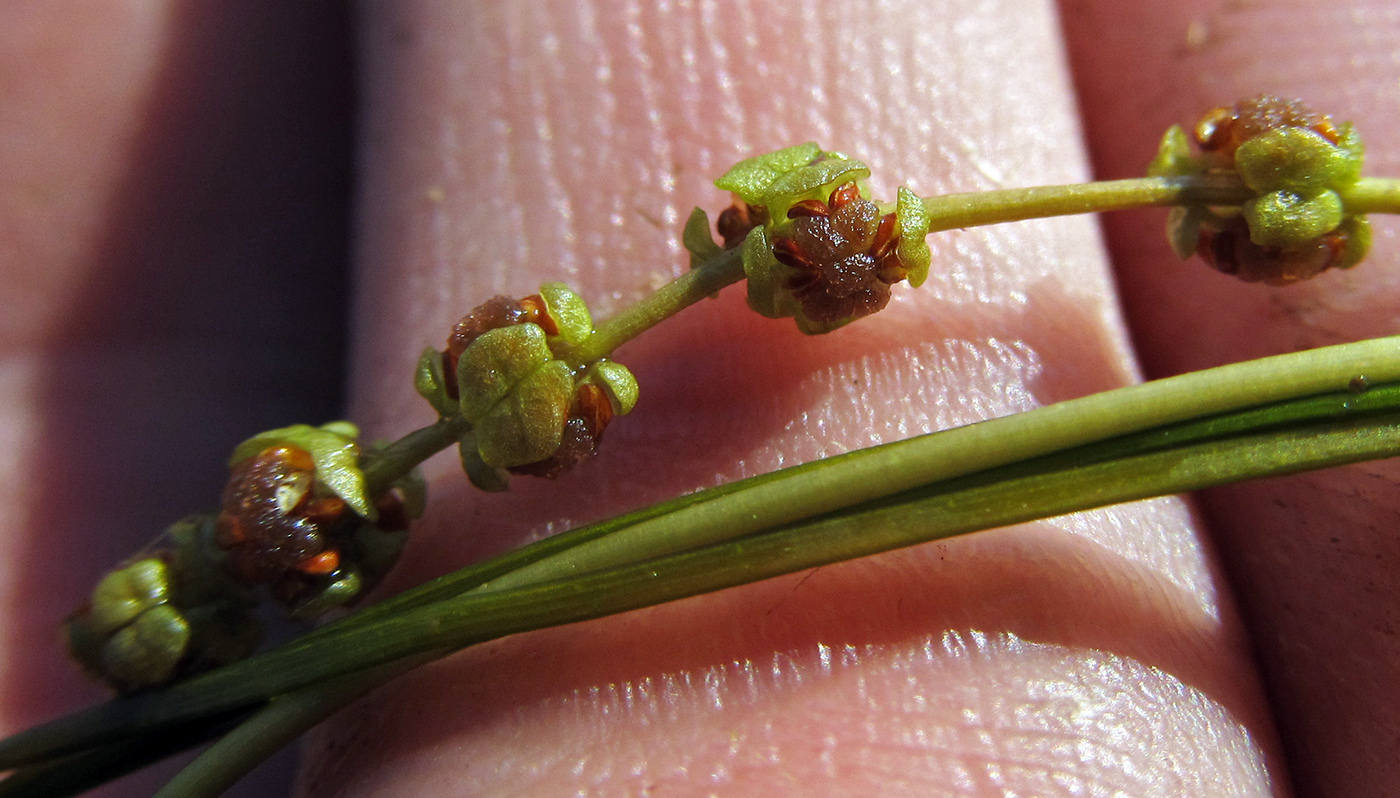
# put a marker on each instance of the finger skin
(1312, 557)
(511, 143)
(173, 193)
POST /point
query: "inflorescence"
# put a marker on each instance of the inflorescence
(523, 389)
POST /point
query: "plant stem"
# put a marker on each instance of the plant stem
(1373, 195)
(948, 212)
(677, 295)
(953, 211)
(398, 458)
(940, 456)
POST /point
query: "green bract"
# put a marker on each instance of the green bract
(568, 311)
(913, 222)
(618, 383)
(334, 450)
(1299, 160)
(697, 240)
(527, 425)
(780, 179)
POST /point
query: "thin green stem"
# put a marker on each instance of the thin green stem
(403, 455)
(953, 211)
(724, 270)
(1373, 195)
(285, 718)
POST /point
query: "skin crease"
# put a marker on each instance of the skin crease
(1080, 656)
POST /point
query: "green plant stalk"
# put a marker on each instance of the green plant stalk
(271, 728)
(723, 270)
(811, 489)
(478, 617)
(855, 477)
(973, 209)
(223, 764)
(1372, 195)
(302, 663)
(1368, 195)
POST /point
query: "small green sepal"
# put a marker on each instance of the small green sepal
(697, 239)
(569, 313)
(751, 177)
(430, 382)
(1285, 220)
(527, 425)
(1184, 229)
(148, 650)
(764, 277)
(483, 476)
(122, 595)
(618, 383)
(913, 225)
(1174, 156)
(1297, 160)
(779, 179)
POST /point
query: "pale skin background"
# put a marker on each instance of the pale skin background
(171, 178)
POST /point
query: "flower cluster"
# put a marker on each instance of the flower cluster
(1297, 164)
(814, 249)
(507, 372)
(166, 614)
(296, 518)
